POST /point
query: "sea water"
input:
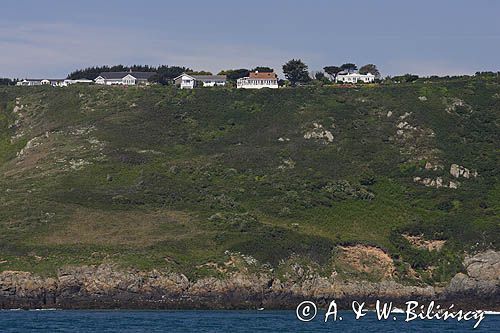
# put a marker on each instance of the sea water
(219, 321)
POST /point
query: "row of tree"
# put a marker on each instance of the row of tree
(350, 67)
(7, 82)
(296, 71)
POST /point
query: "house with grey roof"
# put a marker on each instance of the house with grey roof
(189, 81)
(124, 78)
(40, 82)
(29, 82)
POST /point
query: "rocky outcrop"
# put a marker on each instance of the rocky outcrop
(107, 286)
(414, 141)
(482, 278)
(424, 244)
(458, 171)
(366, 259)
(319, 133)
(437, 182)
(453, 104)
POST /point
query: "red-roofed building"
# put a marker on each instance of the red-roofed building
(258, 80)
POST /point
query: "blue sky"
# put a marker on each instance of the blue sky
(49, 38)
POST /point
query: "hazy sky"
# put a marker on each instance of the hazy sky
(49, 38)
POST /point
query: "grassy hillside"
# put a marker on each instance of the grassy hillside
(158, 177)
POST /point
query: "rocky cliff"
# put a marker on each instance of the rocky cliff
(106, 286)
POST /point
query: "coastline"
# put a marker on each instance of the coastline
(107, 287)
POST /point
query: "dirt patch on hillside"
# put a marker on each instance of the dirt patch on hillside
(424, 244)
(366, 260)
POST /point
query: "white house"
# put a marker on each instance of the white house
(124, 78)
(40, 82)
(189, 81)
(258, 80)
(78, 81)
(349, 77)
(29, 82)
(52, 82)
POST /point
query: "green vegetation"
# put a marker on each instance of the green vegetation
(7, 82)
(234, 74)
(370, 68)
(159, 177)
(295, 71)
(332, 71)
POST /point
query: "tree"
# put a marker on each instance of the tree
(167, 73)
(155, 78)
(370, 68)
(319, 76)
(235, 74)
(350, 67)
(263, 69)
(6, 82)
(332, 71)
(92, 72)
(296, 72)
(199, 72)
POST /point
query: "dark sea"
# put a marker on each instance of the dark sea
(220, 321)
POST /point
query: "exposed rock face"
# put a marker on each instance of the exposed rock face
(431, 166)
(106, 286)
(437, 182)
(319, 133)
(482, 278)
(452, 104)
(367, 259)
(413, 138)
(458, 171)
(287, 163)
(36, 141)
(424, 244)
